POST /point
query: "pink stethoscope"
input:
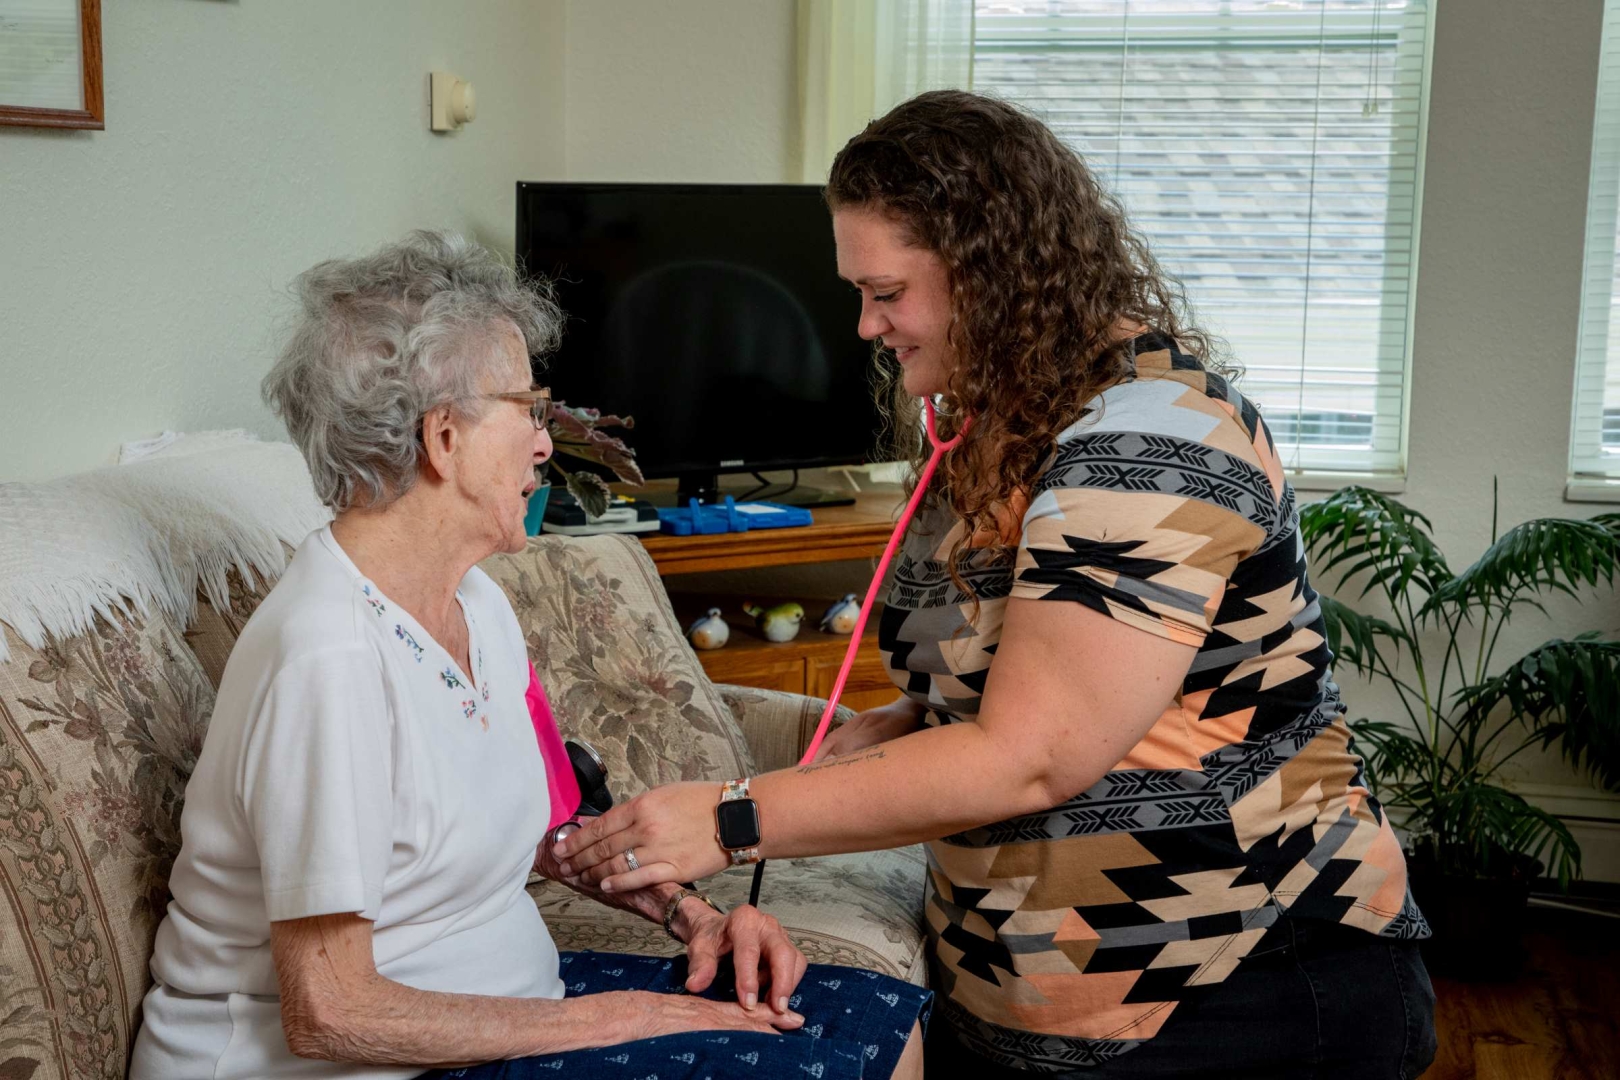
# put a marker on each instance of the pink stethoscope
(941, 448)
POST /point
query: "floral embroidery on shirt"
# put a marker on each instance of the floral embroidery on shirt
(452, 680)
(405, 636)
(376, 605)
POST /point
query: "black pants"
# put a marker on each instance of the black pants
(1316, 1001)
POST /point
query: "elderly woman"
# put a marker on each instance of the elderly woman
(349, 896)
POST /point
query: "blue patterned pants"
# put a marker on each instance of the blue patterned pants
(856, 1023)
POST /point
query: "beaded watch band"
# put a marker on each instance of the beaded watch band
(730, 791)
(674, 906)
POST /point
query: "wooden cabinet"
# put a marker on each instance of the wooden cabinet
(763, 670)
(806, 665)
(869, 684)
(809, 663)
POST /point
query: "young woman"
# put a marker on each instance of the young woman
(1152, 849)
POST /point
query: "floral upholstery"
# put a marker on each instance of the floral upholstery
(615, 664)
(98, 735)
(213, 633)
(778, 725)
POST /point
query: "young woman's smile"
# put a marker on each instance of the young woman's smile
(905, 295)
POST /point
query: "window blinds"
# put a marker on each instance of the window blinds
(1270, 150)
(1595, 438)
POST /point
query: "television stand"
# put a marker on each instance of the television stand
(707, 488)
(859, 531)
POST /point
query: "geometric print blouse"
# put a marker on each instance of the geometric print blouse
(1067, 937)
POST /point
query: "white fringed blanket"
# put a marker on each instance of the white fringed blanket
(150, 532)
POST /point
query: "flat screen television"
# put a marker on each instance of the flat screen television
(713, 314)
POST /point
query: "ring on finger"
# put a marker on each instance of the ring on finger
(630, 858)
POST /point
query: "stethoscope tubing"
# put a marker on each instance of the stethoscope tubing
(941, 448)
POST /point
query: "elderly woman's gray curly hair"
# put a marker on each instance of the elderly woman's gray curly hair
(383, 340)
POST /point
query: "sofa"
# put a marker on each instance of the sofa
(99, 731)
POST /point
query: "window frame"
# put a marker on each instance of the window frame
(1597, 355)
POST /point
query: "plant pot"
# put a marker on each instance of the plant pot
(537, 509)
(1478, 922)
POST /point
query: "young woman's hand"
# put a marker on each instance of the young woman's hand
(871, 727)
(671, 829)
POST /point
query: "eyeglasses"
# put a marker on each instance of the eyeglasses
(539, 400)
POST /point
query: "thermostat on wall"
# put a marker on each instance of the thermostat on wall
(453, 101)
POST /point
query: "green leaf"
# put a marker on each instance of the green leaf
(1353, 637)
(1546, 553)
(1477, 824)
(1389, 541)
(1393, 756)
(1568, 692)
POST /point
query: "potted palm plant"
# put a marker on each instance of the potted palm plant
(1476, 845)
(576, 432)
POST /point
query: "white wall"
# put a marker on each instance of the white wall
(699, 91)
(141, 267)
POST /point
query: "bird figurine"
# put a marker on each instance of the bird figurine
(840, 618)
(709, 632)
(778, 623)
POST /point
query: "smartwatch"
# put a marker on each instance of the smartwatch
(736, 821)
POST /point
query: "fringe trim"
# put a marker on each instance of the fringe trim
(149, 535)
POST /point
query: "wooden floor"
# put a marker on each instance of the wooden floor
(1560, 1020)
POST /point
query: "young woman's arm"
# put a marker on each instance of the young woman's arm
(900, 717)
(1070, 693)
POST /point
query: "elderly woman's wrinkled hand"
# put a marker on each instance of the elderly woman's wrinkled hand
(546, 864)
(767, 963)
(651, 1015)
(671, 829)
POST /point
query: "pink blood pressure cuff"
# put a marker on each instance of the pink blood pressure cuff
(560, 782)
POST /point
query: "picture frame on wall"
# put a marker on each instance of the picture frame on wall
(50, 64)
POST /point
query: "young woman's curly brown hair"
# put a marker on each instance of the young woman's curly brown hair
(1044, 275)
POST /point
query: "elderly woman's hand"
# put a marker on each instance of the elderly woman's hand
(670, 828)
(760, 951)
(652, 1014)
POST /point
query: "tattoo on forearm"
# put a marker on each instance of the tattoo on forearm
(831, 763)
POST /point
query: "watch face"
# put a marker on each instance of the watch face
(738, 824)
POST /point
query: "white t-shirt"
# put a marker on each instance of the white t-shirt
(351, 766)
